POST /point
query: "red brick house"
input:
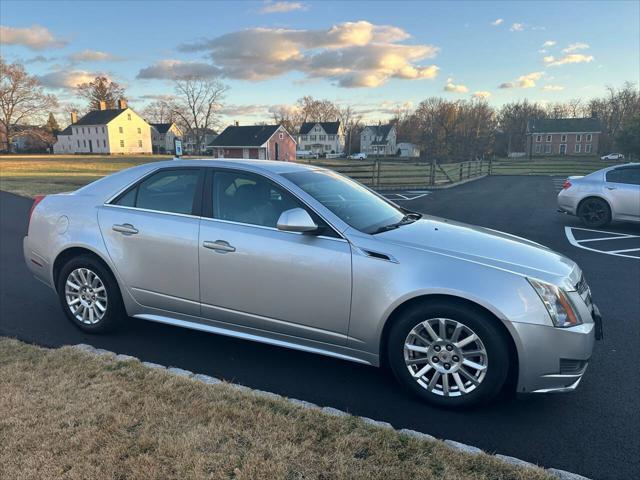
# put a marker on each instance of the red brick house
(260, 142)
(563, 136)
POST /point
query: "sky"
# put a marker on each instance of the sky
(375, 55)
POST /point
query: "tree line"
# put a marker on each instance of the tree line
(448, 130)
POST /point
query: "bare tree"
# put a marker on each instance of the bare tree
(350, 121)
(313, 110)
(23, 104)
(617, 108)
(101, 89)
(159, 111)
(196, 106)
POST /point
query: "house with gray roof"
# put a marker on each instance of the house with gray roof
(321, 137)
(379, 140)
(163, 137)
(258, 142)
(563, 136)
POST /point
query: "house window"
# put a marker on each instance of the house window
(84, 142)
(104, 143)
(78, 143)
(120, 129)
(587, 147)
(312, 138)
(538, 148)
(578, 138)
(102, 129)
(121, 143)
(83, 130)
(332, 137)
(281, 136)
(140, 143)
(563, 137)
(327, 147)
(76, 130)
(547, 148)
(317, 129)
(549, 137)
(322, 137)
(128, 116)
(303, 138)
(139, 131)
(578, 147)
(589, 137)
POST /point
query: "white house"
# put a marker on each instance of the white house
(408, 149)
(108, 131)
(379, 140)
(163, 136)
(321, 137)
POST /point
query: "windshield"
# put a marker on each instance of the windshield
(353, 203)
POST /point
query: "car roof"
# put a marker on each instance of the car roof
(272, 166)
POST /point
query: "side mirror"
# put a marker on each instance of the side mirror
(296, 220)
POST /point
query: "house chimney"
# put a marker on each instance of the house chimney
(103, 105)
(74, 117)
(236, 123)
(122, 104)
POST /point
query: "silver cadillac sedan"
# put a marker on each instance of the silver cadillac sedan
(302, 257)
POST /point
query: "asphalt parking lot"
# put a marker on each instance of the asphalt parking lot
(593, 431)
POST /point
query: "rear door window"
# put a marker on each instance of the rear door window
(629, 175)
(172, 191)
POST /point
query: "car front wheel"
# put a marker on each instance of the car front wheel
(89, 295)
(448, 354)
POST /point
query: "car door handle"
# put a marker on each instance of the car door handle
(611, 188)
(218, 246)
(125, 228)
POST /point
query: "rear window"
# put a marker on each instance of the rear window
(630, 175)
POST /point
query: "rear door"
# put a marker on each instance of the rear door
(151, 234)
(257, 276)
(622, 186)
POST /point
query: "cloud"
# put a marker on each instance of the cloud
(573, 47)
(282, 7)
(66, 79)
(452, 87)
(39, 59)
(497, 21)
(517, 27)
(352, 54)
(481, 94)
(177, 69)
(525, 81)
(553, 88)
(35, 37)
(549, 43)
(247, 110)
(552, 61)
(92, 56)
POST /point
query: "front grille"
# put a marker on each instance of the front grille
(582, 286)
(572, 367)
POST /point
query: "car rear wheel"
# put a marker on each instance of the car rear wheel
(594, 212)
(448, 354)
(89, 295)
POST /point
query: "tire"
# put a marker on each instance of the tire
(492, 340)
(93, 296)
(594, 212)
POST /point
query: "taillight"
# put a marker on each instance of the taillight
(37, 199)
(566, 184)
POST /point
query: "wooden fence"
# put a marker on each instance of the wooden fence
(386, 174)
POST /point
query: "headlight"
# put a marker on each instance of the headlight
(557, 304)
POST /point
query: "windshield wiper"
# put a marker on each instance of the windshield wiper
(406, 220)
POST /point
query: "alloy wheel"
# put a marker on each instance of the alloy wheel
(445, 357)
(86, 296)
(594, 211)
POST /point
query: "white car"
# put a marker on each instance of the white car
(358, 156)
(613, 156)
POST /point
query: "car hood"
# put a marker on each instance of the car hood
(488, 247)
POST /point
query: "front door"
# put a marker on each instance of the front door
(254, 275)
(622, 187)
(563, 149)
(151, 235)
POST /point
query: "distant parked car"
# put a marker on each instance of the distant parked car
(613, 156)
(358, 156)
(306, 154)
(607, 195)
(302, 257)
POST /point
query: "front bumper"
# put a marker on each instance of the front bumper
(555, 359)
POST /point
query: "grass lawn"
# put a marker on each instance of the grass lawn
(69, 414)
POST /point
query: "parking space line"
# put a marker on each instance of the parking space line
(615, 236)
